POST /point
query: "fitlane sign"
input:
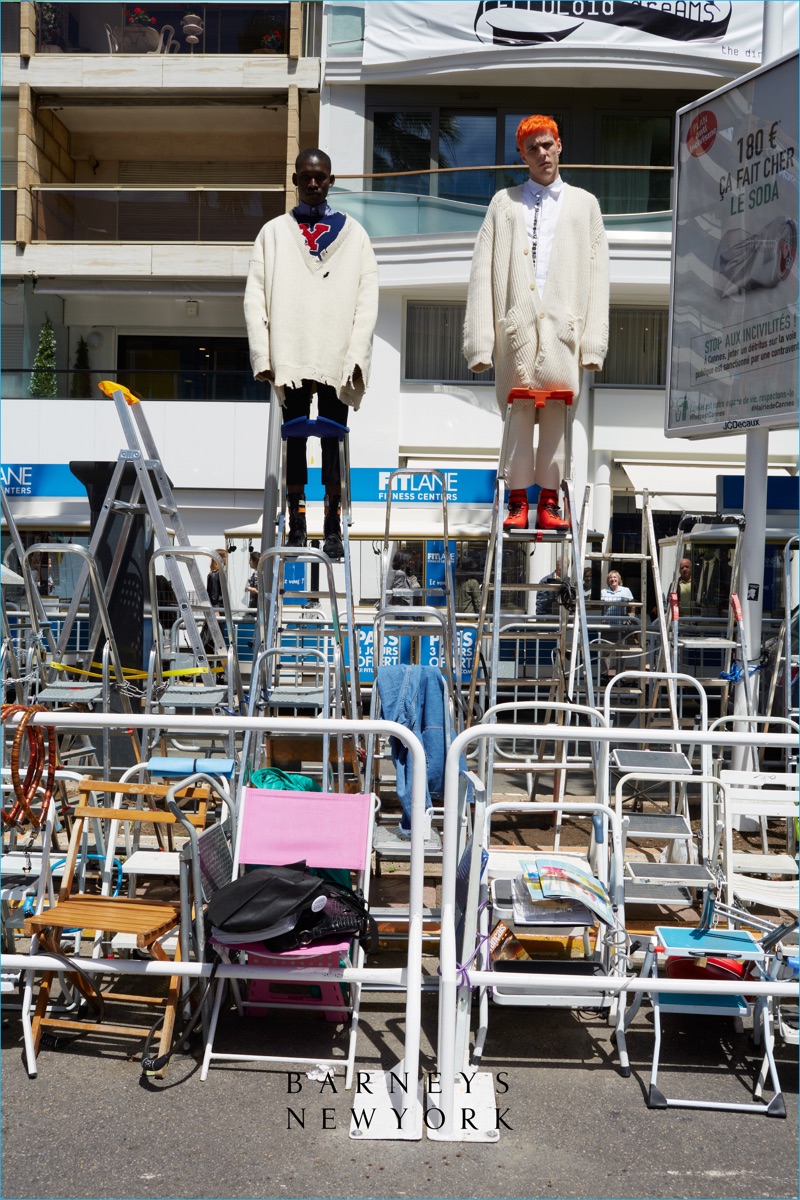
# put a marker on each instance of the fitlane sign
(733, 302)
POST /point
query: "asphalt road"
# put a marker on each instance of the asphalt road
(89, 1127)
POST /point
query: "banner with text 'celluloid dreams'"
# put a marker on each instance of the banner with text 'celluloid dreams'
(733, 302)
(418, 30)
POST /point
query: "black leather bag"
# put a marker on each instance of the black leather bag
(285, 908)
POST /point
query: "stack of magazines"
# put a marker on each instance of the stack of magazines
(555, 890)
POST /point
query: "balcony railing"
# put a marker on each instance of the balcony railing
(221, 385)
(620, 190)
(145, 28)
(70, 214)
(403, 204)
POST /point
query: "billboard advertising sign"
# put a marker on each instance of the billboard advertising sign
(733, 302)
(405, 32)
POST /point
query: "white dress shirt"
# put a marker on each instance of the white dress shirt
(547, 198)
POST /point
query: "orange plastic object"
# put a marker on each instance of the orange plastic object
(539, 396)
(108, 387)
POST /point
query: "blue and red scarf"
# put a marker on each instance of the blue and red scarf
(320, 226)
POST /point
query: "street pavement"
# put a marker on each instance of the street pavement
(89, 1126)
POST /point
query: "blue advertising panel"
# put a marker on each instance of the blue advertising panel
(434, 569)
(396, 652)
(39, 479)
(431, 650)
(370, 485)
(294, 580)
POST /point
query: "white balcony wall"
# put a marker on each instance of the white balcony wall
(126, 260)
(374, 429)
(143, 72)
(342, 131)
(209, 445)
(629, 423)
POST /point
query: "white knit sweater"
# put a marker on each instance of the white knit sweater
(310, 318)
(538, 341)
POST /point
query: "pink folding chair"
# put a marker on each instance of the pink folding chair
(322, 829)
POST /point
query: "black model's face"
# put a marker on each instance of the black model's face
(312, 180)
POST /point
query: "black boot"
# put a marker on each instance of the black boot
(297, 521)
(332, 529)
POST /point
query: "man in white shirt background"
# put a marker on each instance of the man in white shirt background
(537, 307)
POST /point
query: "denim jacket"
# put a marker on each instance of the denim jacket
(416, 698)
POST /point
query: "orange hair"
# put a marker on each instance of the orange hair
(538, 124)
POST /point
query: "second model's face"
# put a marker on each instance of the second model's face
(312, 181)
(540, 153)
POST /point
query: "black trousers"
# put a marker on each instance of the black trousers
(297, 403)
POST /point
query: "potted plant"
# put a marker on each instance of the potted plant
(138, 16)
(50, 28)
(44, 381)
(80, 386)
(272, 42)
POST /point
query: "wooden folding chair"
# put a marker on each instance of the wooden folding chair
(146, 922)
(164, 860)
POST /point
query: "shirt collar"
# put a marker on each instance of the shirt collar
(316, 211)
(553, 189)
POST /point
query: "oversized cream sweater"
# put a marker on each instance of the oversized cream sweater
(538, 341)
(310, 318)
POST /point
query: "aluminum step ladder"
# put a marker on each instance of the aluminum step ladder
(646, 643)
(690, 640)
(430, 631)
(152, 494)
(571, 679)
(305, 658)
(28, 635)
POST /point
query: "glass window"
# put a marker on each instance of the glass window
(55, 574)
(402, 142)
(645, 142)
(637, 348)
(187, 368)
(434, 335)
(345, 29)
(467, 139)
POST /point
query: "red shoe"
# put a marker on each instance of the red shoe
(517, 510)
(548, 514)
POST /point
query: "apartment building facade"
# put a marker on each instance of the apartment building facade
(144, 145)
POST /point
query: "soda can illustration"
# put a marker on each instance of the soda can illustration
(745, 261)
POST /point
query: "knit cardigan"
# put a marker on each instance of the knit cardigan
(310, 318)
(538, 341)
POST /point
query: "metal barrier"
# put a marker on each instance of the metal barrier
(403, 1124)
(449, 969)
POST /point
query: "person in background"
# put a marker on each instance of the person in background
(251, 590)
(213, 583)
(546, 601)
(400, 582)
(613, 596)
(468, 589)
(310, 306)
(685, 598)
